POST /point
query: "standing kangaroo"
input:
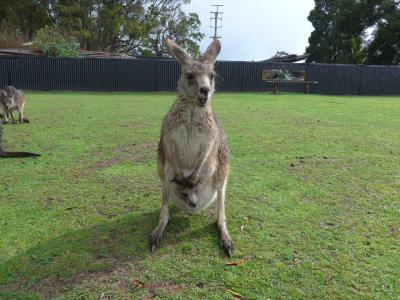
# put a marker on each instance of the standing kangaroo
(193, 154)
(12, 99)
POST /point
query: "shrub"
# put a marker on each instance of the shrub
(54, 43)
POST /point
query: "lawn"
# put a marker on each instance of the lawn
(312, 202)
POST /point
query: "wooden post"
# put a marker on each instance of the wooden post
(275, 88)
(307, 88)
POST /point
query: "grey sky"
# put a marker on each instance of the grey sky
(257, 29)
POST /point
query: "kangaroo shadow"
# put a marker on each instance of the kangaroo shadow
(53, 264)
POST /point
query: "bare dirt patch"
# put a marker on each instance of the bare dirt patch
(314, 166)
(108, 163)
(119, 276)
(129, 152)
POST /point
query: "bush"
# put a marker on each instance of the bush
(54, 43)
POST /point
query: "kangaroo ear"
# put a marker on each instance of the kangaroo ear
(210, 56)
(178, 52)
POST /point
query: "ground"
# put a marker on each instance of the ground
(312, 201)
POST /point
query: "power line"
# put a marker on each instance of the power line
(216, 18)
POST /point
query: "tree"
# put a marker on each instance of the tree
(174, 24)
(10, 36)
(100, 25)
(385, 45)
(339, 27)
(129, 26)
(26, 15)
(340, 31)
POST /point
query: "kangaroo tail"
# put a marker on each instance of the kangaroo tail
(13, 154)
(17, 154)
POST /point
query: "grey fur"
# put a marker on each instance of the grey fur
(12, 99)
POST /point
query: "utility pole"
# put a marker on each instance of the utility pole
(216, 18)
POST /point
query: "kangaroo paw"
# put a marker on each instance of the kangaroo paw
(227, 245)
(154, 240)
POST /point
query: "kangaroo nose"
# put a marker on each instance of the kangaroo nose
(204, 90)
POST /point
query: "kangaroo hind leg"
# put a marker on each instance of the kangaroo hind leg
(155, 237)
(225, 238)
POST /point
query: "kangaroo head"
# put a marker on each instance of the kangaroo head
(8, 101)
(196, 83)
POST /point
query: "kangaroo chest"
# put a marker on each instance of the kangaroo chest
(191, 139)
(9, 106)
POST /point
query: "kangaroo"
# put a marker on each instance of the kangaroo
(12, 99)
(193, 154)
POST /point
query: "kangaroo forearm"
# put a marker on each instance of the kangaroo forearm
(203, 159)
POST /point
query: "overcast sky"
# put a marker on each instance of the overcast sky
(257, 29)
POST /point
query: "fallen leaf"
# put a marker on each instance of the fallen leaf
(138, 284)
(297, 260)
(235, 263)
(234, 294)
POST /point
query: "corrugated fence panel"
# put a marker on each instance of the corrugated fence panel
(96, 75)
(168, 72)
(251, 78)
(29, 74)
(229, 76)
(381, 80)
(336, 79)
(162, 75)
(4, 73)
(125, 76)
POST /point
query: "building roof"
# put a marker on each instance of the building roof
(25, 52)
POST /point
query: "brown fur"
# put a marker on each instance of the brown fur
(193, 154)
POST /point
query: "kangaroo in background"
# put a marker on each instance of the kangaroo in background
(12, 99)
(193, 154)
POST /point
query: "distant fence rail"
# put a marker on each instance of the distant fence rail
(162, 74)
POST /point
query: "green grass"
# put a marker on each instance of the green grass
(312, 202)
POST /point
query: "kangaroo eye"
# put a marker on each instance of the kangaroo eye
(190, 76)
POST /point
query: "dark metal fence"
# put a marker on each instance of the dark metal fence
(162, 74)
